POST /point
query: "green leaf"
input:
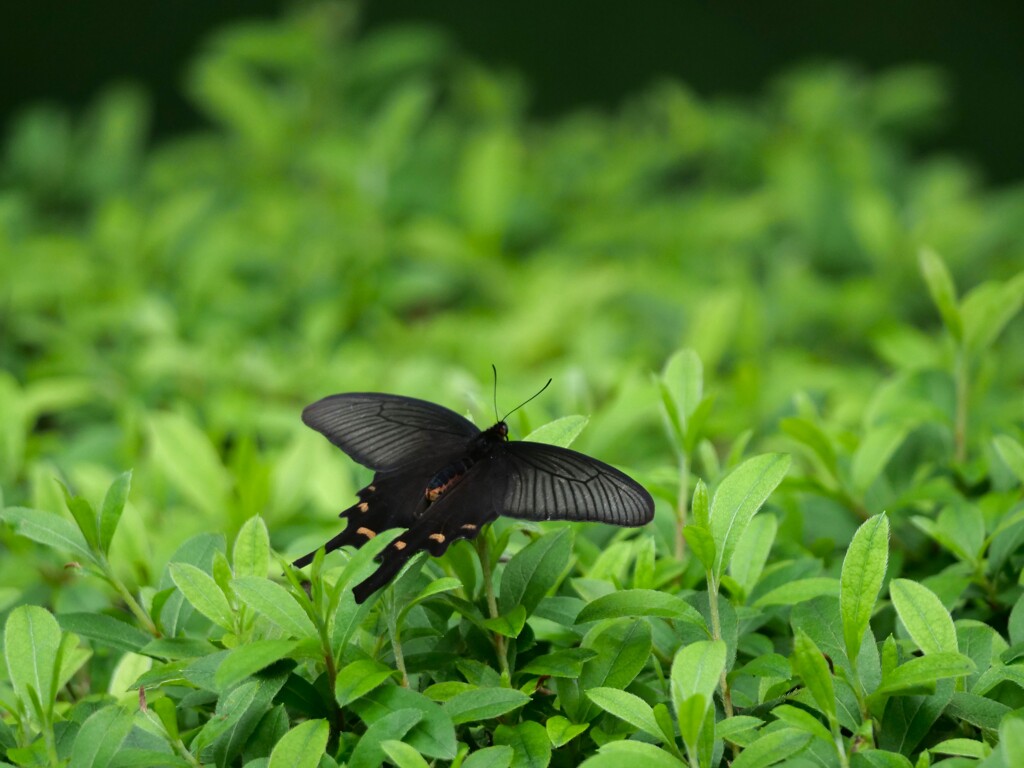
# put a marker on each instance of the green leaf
(976, 710)
(105, 630)
(861, 579)
(873, 453)
(561, 731)
(1011, 739)
(987, 309)
(964, 748)
(628, 707)
(810, 664)
(251, 553)
(113, 508)
(187, 457)
(681, 387)
(700, 508)
(738, 498)
(369, 752)
(529, 742)
(814, 438)
(250, 658)
(85, 517)
(32, 641)
(748, 561)
(402, 755)
(534, 570)
(202, 592)
(490, 757)
(302, 746)
(881, 758)
(739, 727)
(254, 700)
(561, 432)
(798, 591)
(358, 679)
(696, 672)
(508, 625)
(172, 609)
(616, 754)
(925, 670)
(567, 662)
(639, 602)
(1012, 454)
(924, 616)
(623, 648)
(960, 528)
(100, 738)
(433, 736)
(942, 289)
(702, 544)
(276, 603)
(802, 720)
(483, 704)
(49, 529)
(772, 747)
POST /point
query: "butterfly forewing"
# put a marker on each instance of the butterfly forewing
(386, 431)
(545, 482)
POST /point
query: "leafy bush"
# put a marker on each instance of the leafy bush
(835, 435)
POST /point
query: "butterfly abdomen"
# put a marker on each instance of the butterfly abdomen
(447, 479)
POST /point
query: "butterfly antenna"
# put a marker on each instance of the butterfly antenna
(495, 369)
(526, 401)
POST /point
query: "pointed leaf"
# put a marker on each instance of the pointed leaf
(639, 602)
(561, 432)
(113, 508)
(250, 555)
(942, 290)
(738, 498)
(861, 579)
(924, 616)
(276, 603)
(202, 592)
(533, 571)
(302, 746)
(32, 641)
(628, 707)
(810, 664)
(49, 529)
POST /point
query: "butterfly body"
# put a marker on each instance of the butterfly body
(440, 477)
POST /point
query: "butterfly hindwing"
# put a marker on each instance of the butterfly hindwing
(458, 514)
(545, 482)
(386, 431)
(392, 500)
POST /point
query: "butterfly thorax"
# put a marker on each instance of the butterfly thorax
(478, 448)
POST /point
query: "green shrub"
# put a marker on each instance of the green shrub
(834, 435)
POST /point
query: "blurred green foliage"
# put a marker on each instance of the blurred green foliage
(383, 214)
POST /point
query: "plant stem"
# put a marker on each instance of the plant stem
(391, 613)
(484, 550)
(716, 633)
(960, 425)
(133, 605)
(682, 504)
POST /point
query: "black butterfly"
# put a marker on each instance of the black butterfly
(442, 478)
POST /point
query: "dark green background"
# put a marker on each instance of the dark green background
(571, 54)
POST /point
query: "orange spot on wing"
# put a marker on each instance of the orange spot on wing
(366, 532)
